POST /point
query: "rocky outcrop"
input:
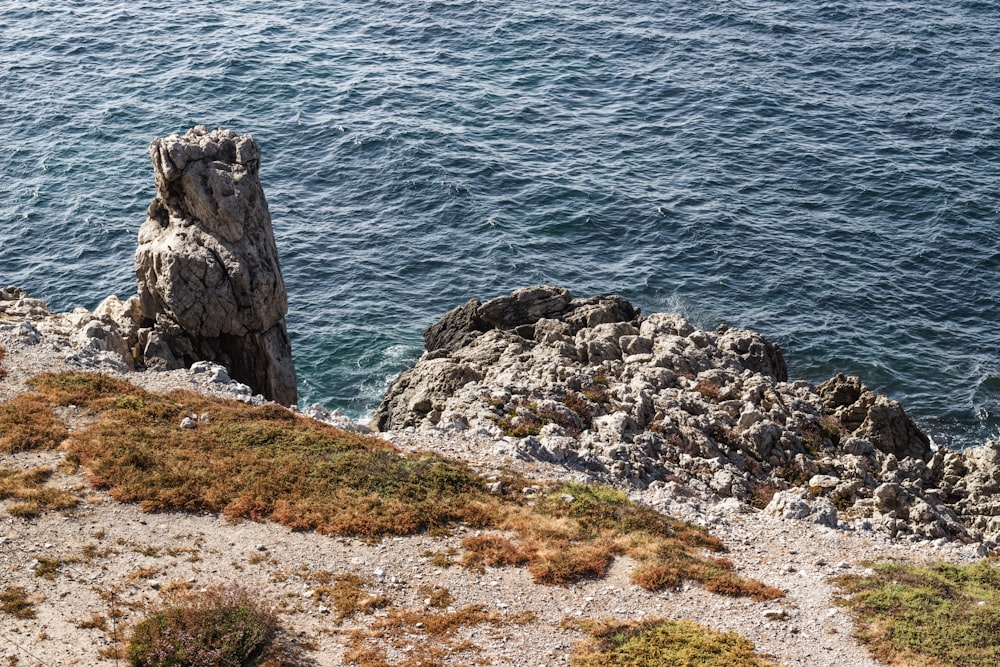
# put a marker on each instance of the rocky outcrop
(655, 402)
(210, 287)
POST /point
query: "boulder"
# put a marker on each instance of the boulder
(210, 286)
(877, 419)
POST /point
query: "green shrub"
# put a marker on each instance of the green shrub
(222, 626)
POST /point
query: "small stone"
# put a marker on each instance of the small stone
(187, 422)
(824, 481)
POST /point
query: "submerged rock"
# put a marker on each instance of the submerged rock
(591, 384)
(210, 286)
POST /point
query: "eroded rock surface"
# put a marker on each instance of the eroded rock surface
(655, 402)
(210, 286)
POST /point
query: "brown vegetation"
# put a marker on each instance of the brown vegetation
(423, 639)
(266, 463)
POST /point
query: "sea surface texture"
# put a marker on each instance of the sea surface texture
(827, 173)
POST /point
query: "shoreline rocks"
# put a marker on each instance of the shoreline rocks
(655, 403)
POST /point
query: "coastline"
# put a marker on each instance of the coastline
(798, 556)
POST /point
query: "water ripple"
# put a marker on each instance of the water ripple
(826, 173)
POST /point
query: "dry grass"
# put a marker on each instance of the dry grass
(663, 642)
(47, 568)
(574, 531)
(437, 597)
(348, 596)
(266, 463)
(14, 601)
(95, 622)
(3, 353)
(27, 488)
(423, 639)
(29, 423)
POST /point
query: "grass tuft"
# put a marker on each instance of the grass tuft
(349, 597)
(663, 642)
(14, 601)
(47, 568)
(927, 616)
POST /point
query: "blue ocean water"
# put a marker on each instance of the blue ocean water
(827, 173)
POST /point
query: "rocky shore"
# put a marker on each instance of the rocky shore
(797, 544)
(645, 402)
(655, 403)
(801, 482)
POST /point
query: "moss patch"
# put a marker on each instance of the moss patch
(663, 642)
(928, 616)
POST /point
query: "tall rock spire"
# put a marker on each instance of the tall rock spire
(210, 286)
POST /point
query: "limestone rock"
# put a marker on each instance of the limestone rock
(643, 401)
(877, 419)
(210, 287)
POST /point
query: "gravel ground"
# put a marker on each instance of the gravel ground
(115, 557)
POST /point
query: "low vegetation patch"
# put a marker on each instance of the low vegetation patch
(27, 422)
(424, 639)
(525, 417)
(347, 592)
(30, 494)
(14, 601)
(574, 531)
(222, 626)
(266, 463)
(3, 353)
(662, 642)
(927, 616)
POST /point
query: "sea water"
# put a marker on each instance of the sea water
(827, 173)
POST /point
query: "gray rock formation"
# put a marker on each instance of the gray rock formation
(654, 402)
(210, 287)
